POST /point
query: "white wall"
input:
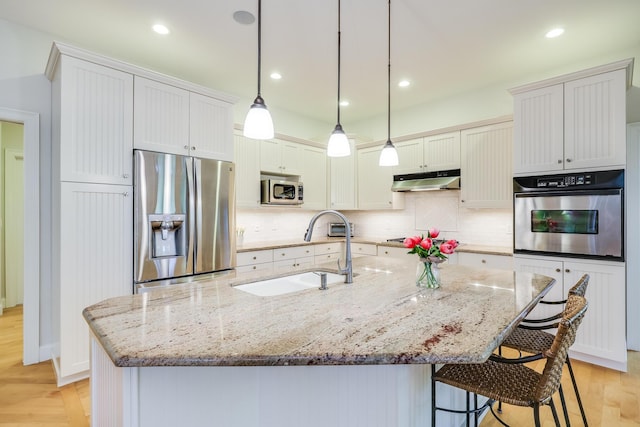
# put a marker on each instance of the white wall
(23, 86)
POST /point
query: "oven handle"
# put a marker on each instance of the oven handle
(605, 192)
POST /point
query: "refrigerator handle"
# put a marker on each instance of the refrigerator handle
(196, 210)
(191, 191)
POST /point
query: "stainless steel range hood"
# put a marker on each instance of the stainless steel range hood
(427, 181)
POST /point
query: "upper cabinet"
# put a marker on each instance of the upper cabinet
(374, 182)
(280, 157)
(485, 172)
(247, 162)
(173, 120)
(314, 177)
(429, 154)
(93, 122)
(342, 181)
(572, 122)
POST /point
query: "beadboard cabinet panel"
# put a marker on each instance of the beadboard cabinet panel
(247, 159)
(95, 112)
(210, 128)
(314, 177)
(96, 260)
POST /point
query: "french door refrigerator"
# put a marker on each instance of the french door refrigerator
(184, 218)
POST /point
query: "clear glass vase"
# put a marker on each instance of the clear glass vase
(428, 273)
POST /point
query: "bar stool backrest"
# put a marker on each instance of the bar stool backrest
(580, 288)
(556, 356)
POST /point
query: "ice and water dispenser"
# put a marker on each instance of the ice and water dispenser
(168, 235)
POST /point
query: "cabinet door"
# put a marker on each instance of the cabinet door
(161, 117)
(291, 158)
(374, 181)
(602, 332)
(395, 252)
(595, 121)
(270, 156)
(486, 177)
(441, 152)
(96, 122)
(409, 157)
(247, 159)
(210, 128)
(96, 260)
(343, 181)
(314, 177)
(501, 262)
(363, 249)
(538, 130)
(549, 268)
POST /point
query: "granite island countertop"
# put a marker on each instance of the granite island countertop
(381, 318)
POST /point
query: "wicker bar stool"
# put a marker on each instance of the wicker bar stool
(514, 383)
(532, 337)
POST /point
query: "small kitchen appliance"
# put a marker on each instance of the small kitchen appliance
(281, 192)
(339, 229)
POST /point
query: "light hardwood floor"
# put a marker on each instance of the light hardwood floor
(29, 396)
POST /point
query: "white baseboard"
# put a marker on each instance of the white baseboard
(62, 381)
(45, 352)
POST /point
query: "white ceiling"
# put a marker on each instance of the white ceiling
(444, 47)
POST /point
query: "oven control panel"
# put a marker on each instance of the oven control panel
(562, 181)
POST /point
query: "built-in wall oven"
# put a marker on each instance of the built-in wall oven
(570, 214)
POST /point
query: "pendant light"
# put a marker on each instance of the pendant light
(258, 123)
(389, 155)
(338, 145)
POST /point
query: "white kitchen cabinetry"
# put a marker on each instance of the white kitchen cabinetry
(429, 154)
(170, 119)
(486, 164)
(374, 182)
(280, 157)
(247, 160)
(325, 252)
(95, 260)
(294, 257)
(93, 122)
(601, 336)
(501, 262)
(342, 181)
(572, 122)
(363, 249)
(394, 252)
(314, 177)
(254, 260)
(92, 203)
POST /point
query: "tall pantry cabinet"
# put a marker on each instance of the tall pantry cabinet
(92, 223)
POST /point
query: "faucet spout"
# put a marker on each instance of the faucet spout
(348, 268)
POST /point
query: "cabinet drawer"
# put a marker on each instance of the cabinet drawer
(390, 252)
(502, 262)
(294, 263)
(360, 249)
(319, 259)
(293, 252)
(254, 257)
(328, 248)
(255, 267)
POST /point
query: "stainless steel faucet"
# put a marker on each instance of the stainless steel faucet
(348, 269)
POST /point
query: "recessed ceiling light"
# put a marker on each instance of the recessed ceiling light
(276, 76)
(404, 83)
(160, 29)
(243, 17)
(344, 103)
(554, 33)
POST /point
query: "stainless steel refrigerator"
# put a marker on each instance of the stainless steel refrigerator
(184, 218)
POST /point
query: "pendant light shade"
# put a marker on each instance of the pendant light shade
(338, 145)
(389, 155)
(258, 123)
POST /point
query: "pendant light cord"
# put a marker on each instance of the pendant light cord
(339, 36)
(259, 44)
(389, 77)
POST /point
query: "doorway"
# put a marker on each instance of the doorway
(30, 227)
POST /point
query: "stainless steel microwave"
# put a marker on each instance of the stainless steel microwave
(281, 192)
(338, 229)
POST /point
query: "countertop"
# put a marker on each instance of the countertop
(276, 244)
(381, 318)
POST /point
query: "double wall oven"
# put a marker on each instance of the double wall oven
(571, 214)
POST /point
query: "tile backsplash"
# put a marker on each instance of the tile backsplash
(440, 209)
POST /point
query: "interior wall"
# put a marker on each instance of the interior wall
(24, 87)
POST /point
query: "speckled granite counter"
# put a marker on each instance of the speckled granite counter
(382, 318)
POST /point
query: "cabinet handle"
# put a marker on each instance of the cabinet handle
(569, 160)
(559, 161)
(186, 147)
(461, 201)
(558, 270)
(484, 261)
(125, 175)
(567, 270)
(386, 252)
(125, 194)
(254, 257)
(282, 254)
(193, 148)
(254, 267)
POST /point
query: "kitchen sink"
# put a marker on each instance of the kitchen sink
(287, 284)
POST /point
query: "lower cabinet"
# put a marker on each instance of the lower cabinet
(294, 257)
(95, 257)
(327, 252)
(363, 249)
(501, 262)
(601, 335)
(254, 261)
(394, 252)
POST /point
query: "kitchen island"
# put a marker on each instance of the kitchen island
(205, 353)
